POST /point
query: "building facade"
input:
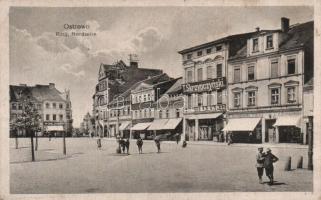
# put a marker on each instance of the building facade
(53, 106)
(265, 85)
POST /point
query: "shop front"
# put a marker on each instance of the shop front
(124, 129)
(140, 130)
(54, 130)
(169, 128)
(288, 129)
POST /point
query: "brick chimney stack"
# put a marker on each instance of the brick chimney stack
(285, 24)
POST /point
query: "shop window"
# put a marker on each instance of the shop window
(291, 66)
(219, 72)
(47, 117)
(275, 96)
(250, 73)
(209, 72)
(269, 42)
(199, 74)
(251, 98)
(219, 97)
(291, 96)
(237, 99)
(255, 45)
(237, 74)
(274, 68)
(14, 106)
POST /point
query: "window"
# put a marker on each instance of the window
(199, 53)
(237, 74)
(14, 106)
(291, 94)
(199, 99)
(20, 106)
(61, 117)
(218, 70)
(38, 106)
(47, 117)
(54, 105)
(177, 113)
(148, 97)
(269, 42)
(144, 97)
(67, 105)
(251, 98)
(237, 99)
(274, 68)
(219, 97)
(255, 45)
(189, 56)
(250, 73)
(60, 106)
(218, 48)
(275, 96)
(291, 66)
(209, 50)
(209, 98)
(47, 105)
(189, 101)
(209, 72)
(199, 74)
(68, 116)
(189, 76)
(54, 117)
(145, 113)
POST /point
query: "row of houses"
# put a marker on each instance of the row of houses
(53, 107)
(255, 87)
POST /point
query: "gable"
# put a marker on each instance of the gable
(101, 73)
(143, 86)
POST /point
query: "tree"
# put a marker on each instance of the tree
(29, 120)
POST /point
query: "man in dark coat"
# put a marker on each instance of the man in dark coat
(127, 145)
(157, 142)
(122, 145)
(139, 143)
(269, 159)
(260, 163)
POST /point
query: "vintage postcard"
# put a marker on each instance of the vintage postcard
(176, 100)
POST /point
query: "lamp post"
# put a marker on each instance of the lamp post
(310, 143)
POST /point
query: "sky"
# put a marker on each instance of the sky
(155, 34)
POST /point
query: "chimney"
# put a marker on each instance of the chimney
(133, 60)
(51, 85)
(285, 23)
(257, 29)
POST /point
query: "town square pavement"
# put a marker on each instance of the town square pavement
(196, 168)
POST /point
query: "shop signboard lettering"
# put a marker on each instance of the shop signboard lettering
(205, 86)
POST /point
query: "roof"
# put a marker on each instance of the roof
(38, 92)
(298, 35)
(176, 88)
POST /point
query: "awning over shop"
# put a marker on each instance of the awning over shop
(158, 124)
(205, 116)
(172, 123)
(242, 124)
(124, 126)
(288, 121)
(55, 128)
(140, 126)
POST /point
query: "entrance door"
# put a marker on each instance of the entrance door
(269, 130)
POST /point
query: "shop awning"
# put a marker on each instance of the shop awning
(55, 128)
(124, 126)
(140, 126)
(288, 121)
(172, 123)
(158, 124)
(205, 116)
(242, 124)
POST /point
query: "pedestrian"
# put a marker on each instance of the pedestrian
(184, 144)
(229, 139)
(49, 136)
(259, 163)
(99, 143)
(177, 138)
(127, 145)
(139, 143)
(157, 142)
(269, 159)
(122, 144)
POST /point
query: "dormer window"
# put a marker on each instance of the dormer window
(209, 50)
(269, 42)
(255, 45)
(199, 53)
(189, 56)
(219, 48)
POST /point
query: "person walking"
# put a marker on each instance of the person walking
(127, 145)
(269, 159)
(177, 138)
(260, 163)
(229, 139)
(99, 143)
(122, 145)
(157, 142)
(139, 143)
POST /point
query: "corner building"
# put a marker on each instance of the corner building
(265, 85)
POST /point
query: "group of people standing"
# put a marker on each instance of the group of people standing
(265, 160)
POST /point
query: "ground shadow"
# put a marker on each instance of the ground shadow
(274, 183)
(43, 160)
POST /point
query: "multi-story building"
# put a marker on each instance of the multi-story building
(144, 110)
(112, 81)
(53, 106)
(204, 86)
(87, 126)
(265, 85)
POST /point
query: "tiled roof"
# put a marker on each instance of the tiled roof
(176, 88)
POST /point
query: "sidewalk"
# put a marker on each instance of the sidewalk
(265, 145)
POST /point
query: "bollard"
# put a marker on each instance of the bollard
(288, 164)
(300, 163)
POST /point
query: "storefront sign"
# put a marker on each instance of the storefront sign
(205, 86)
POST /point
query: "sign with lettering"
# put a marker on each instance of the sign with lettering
(205, 86)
